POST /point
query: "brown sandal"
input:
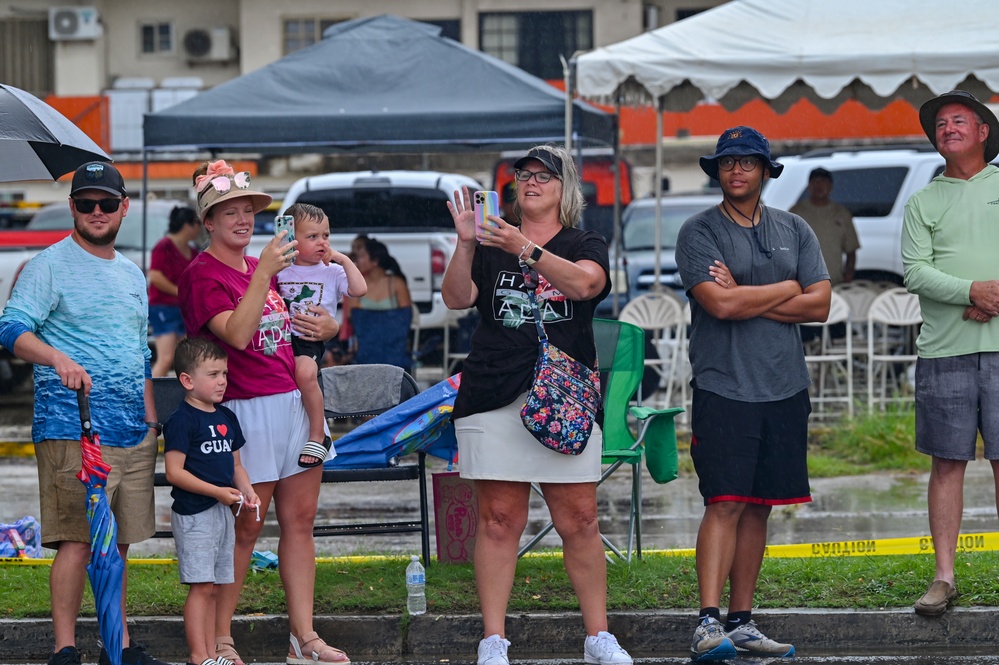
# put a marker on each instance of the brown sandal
(225, 648)
(311, 649)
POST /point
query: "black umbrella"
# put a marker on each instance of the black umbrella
(37, 142)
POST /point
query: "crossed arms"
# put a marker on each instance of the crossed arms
(785, 301)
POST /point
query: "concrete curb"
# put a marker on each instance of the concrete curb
(541, 635)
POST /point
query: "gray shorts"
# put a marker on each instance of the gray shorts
(205, 543)
(956, 398)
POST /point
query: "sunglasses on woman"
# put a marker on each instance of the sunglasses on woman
(86, 206)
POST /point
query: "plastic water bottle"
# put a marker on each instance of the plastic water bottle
(416, 584)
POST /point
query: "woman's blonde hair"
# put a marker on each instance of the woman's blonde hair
(572, 202)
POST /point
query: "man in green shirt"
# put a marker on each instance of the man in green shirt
(949, 241)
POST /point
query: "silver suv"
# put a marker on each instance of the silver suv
(874, 184)
(638, 243)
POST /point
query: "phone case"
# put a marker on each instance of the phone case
(282, 223)
(485, 203)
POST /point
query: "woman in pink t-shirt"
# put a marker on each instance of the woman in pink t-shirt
(170, 256)
(233, 300)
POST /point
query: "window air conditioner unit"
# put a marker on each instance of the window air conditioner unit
(209, 45)
(74, 23)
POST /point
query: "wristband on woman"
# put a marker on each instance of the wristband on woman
(524, 249)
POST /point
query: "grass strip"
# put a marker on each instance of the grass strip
(656, 582)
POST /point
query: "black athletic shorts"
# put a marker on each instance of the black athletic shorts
(753, 452)
(303, 347)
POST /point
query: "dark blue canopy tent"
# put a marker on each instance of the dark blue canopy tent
(377, 85)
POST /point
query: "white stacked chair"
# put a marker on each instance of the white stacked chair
(833, 380)
(661, 316)
(892, 322)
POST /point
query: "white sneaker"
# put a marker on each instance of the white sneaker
(492, 651)
(603, 649)
(749, 639)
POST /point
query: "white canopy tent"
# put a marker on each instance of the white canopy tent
(874, 51)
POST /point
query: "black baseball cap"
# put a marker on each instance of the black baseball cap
(551, 161)
(820, 172)
(98, 175)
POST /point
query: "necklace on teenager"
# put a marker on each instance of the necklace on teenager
(753, 224)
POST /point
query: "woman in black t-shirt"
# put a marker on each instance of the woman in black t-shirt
(568, 270)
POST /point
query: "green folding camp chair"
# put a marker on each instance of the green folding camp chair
(621, 358)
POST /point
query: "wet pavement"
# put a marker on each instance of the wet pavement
(845, 508)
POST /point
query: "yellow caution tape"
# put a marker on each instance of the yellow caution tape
(969, 542)
(169, 561)
(16, 449)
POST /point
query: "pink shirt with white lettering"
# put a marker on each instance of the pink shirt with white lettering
(267, 365)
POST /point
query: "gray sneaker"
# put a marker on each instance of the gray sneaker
(710, 642)
(603, 649)
(492, 651)
(749, 639)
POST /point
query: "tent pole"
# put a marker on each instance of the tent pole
(568, 80)
(145, 208)
(658, 189)
(616, 233)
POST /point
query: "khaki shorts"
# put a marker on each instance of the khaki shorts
(63, 497)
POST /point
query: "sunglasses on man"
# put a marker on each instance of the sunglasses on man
(86, 206)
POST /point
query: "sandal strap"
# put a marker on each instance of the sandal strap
(315, 645)
(226, 649)
(314, 449)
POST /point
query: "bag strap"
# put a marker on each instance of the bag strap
(532, 298)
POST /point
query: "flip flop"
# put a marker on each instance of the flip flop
(319, 451)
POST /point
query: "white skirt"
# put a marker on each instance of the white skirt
(275, 427)
(495, 445)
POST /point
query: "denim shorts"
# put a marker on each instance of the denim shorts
(956, 398)
(166, 319)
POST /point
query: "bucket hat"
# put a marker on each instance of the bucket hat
(928, 118)
(740, 141)
(98, 175)
(221, 183)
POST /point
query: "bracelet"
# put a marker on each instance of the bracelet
(524, 249)
(156, 426)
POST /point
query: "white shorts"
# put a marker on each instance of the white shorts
(275, 427)
(495, 445)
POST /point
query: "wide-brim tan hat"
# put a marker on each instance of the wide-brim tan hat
(221, 183)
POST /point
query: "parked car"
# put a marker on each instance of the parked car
(406, 210)
(638, 257)
(874, 184)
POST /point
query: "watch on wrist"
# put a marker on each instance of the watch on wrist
(534, 256)
(156, 426)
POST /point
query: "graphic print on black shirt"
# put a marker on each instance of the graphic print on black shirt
(512, 308)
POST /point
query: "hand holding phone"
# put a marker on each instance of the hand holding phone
(285, 223)
(485, 203)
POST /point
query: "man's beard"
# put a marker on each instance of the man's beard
(100, 241)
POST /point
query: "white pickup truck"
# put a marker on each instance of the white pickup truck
(874, 184)
(406, 210)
